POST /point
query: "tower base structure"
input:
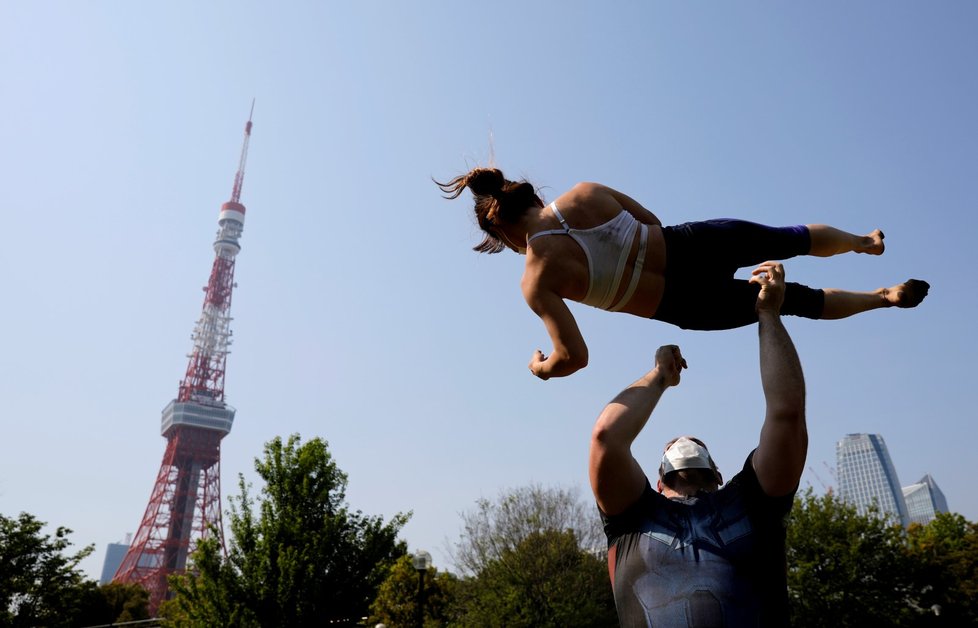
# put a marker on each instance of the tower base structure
(185, 505)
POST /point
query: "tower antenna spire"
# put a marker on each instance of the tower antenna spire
(239, 176)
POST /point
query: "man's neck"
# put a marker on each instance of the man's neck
(668, 493)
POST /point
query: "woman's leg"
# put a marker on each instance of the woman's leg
(720, 246)
(708, 306)
(843, 303)
(828, 241)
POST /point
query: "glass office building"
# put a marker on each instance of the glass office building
(114, 554)
(924, 500)
(866, 476)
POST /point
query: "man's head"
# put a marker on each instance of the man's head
(687, 467)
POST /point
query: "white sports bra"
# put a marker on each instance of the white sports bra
(606, 248)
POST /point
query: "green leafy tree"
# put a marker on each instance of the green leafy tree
(534, 557)
(946, 554)
(546, 581)
(111, 603)
(847, 569)
(213, 594)
(40, 583)
(125, 602)
(297, 556)
(397, 598)
(495, 527)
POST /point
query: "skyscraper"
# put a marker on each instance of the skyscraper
(924, 500)
(114, 554)
(866, 476)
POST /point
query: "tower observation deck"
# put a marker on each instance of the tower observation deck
(185, 504)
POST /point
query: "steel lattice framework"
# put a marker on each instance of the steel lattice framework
(185, 504)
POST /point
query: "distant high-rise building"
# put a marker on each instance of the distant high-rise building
(924, 500)
(866, 476)
(114, 554)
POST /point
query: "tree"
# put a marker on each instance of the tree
(212, 594)
(40, 585)
(297, 557)
(535, 557)
(946, 554)
(496, 527)
(546, 581)
(126, 602)
(847, 569)
(111, 603)
(397, 598)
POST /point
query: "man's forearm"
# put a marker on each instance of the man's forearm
(617, 479)
(624, 417)
(781, 374)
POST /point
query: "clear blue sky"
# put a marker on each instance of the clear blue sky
(361, 313)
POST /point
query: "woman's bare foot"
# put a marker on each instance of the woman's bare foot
(907, 294)
(873, 243)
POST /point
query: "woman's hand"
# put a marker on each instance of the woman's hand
(536, 364)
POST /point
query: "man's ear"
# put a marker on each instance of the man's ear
(658, 485)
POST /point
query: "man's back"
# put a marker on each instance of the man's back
(712, 560)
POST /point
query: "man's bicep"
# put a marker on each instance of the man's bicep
(617, 489)
(781, 453)
(617, 479)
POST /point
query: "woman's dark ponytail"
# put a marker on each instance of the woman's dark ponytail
(496, 200)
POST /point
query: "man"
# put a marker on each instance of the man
(696, 552)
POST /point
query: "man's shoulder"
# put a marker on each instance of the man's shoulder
(746, 485)
(637, 515)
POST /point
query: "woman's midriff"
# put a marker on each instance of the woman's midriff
(648, 294)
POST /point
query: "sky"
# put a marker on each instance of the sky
(361, 314)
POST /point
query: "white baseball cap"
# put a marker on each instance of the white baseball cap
(685, 454)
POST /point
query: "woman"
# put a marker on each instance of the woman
(597, 246)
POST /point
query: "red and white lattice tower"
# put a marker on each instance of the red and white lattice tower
(185, 504)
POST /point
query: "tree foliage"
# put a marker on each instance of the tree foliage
(533, 558)
(497, 527)
(945, 552)
(298, 556)
(213, 594)
(110, 603)
(397, 598)
(847, 569)
(124, 602)
(545, 581)
(40, 584)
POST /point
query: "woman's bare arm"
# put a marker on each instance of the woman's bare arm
(569, 349)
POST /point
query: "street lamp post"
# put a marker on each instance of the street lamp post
(421, 561)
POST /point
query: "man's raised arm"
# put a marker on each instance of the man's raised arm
(616, 477)
(780, 456)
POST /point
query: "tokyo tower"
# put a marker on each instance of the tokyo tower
(185, 504)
